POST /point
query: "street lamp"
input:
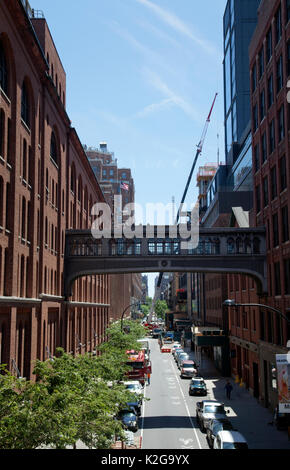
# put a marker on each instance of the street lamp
(122, 317)
(233, 303)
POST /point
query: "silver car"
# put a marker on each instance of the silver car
(182, 357)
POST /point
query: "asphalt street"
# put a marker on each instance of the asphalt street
(169, 419)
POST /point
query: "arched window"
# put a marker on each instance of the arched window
(73, 179)
(3, 69)
(53, 148)
(25, 108)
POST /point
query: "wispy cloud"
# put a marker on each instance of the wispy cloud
(178, 25)
(154, 108)
(171, 96)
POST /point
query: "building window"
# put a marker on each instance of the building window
(53, 148)
(258, 199)
(269, 46)
(278, 22)
(285, 224)
(262, 105)
(255, 117)
(287, 275)
(264, 148)
(261, 62)
(272, 136)
(279, 74)
(254, 78)
(287, 2)
(265, 191)
(270, 91)
(277, 279)
(25, 109)
(3, 70)
(275, 223)
(257, 157)
(281, 124)
(283, 174)
(288, 57)
(274, 182)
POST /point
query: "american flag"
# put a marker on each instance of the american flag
(125, 186)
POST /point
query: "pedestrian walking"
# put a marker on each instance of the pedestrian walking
(228, 388)
(148, 378)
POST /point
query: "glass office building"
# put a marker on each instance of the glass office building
(240, 20)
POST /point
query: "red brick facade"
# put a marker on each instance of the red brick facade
(46, 186)
(258, 334)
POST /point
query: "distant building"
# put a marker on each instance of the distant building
(114, 181)
(126, 289)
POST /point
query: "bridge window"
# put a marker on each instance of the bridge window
(231, 246)
(256, 246)
(248, 247)
(151, 247)
(239, 246)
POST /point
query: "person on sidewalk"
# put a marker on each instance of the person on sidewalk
(148, 378)
(228, 388)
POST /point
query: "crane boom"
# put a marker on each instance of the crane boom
(198, 152)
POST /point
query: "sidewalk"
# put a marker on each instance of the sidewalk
(247, 415)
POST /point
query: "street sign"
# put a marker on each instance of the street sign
(283, 376)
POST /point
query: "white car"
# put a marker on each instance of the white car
(134, 386)
(230, 440)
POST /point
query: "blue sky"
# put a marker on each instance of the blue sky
(141, 75)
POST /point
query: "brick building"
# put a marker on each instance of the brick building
(270, 71)
(46, 186)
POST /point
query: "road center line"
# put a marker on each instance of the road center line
(187, 409)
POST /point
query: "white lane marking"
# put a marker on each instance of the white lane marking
(188, 412)
(186, 441)
(143, 416)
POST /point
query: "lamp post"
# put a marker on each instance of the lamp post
(122, 317)
(233, 303)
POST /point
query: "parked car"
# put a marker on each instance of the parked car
(178, 350)
(182, 357)
(230, 440)
(156, 332)
(188, 369)
(134, 386)
(197, 386)
(215, 426)
(207, 410)
(168, 337)
(129, 419)
(136, 406)
(175, 346)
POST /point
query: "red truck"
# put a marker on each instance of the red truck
(141, 366)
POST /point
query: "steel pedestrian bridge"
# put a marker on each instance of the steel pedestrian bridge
(219, 250)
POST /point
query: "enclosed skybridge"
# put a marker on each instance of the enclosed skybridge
(210, 250)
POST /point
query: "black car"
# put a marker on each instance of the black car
(215, 426)
(129, 419)
(197, 386)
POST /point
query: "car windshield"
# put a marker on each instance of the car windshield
(127, 414)
(235, 445)
(198, 383)
(187, 366)
(214, 409)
